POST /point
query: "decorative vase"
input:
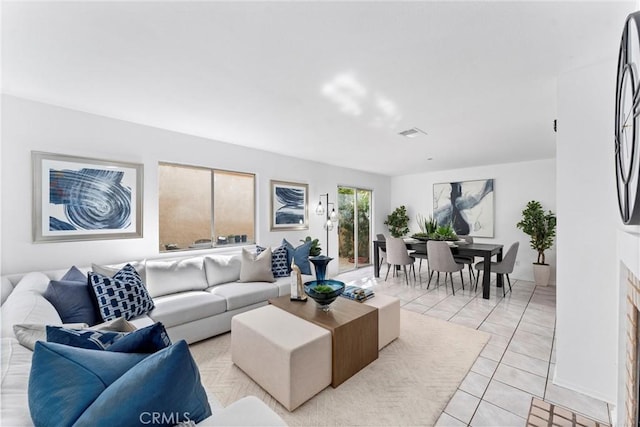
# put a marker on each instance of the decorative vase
(541, 274)
(320, 264)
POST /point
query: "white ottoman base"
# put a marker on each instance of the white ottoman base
(388, 318)
(287, 356)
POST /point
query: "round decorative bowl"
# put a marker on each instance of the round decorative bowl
(324, 292)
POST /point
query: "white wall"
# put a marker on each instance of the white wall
(31, 126)
(514, 185)
(587, 293)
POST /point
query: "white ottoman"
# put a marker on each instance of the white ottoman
(288, 357)
(388, 318)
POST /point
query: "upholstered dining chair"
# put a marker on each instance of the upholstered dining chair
(421, 254)
(441, 260)
(504, 267)
(383, 252)
(466, 260)
(397, 255)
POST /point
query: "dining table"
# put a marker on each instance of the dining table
(481, 250)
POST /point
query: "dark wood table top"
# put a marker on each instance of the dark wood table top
(342, 311)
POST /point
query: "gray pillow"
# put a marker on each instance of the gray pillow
(110, 270)
(256, 268)
(116, 325)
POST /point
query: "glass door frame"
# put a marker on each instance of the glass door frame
(356, 231)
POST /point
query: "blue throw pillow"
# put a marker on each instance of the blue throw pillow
(280, 266)
(300, 255)
(146, 340)
(123, 295)
(83, 338)
(73, 298)
(102, 388)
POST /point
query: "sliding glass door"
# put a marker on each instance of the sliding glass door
(354, 228)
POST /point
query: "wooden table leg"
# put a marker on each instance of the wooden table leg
(486, 277)
(499, 278)
(376, 260)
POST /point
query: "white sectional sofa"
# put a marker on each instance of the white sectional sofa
(194, 297)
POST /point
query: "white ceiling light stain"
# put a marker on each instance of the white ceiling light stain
(353, 98)
(346, 92)
(388, 114)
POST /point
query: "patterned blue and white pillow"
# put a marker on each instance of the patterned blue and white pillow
(83, 338)
(279, 261)
(123, 295)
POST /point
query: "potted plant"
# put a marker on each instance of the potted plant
(315, 248)
(398, 222)
(541, 228)
(428, 227)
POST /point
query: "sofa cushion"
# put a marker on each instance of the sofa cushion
(28, 334)
(96, 382)
(177, 309)
(170, 277)
(256, 268)
(26, 305)
(16, 363)
(110, 270)
(73, 298)
(122, 295)
(279, 261)
(222, 269)
(240, 295)
(300, 255)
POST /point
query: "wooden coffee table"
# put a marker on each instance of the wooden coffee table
(353, 327)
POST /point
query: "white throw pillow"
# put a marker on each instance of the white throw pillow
(256, 269)
(222, 269)
(170, 277)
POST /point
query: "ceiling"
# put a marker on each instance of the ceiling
(329, 81)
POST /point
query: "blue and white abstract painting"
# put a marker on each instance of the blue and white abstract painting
(289, 206)
(466, 205)
(80, 198)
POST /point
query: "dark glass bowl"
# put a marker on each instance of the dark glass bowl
(324, 299)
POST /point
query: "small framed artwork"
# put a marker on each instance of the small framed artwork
(289, 201)
(78, 198)
(466, 205)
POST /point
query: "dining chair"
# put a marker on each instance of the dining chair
(504, 267)
(467, 260)
(441, 260)
(397, 255)
(383, 252)
(420, 253)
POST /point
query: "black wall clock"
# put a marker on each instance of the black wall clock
(627, 126)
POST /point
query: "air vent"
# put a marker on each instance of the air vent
(412, 133)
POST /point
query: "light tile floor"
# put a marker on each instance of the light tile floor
(516, 364)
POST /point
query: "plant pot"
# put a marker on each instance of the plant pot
(541, 274)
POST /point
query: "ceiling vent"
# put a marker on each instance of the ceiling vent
(412, 133)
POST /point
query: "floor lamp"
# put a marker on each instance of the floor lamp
(320, 262)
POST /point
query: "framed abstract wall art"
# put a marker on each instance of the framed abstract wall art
(289, 201)
(467, 205)
(78, 198)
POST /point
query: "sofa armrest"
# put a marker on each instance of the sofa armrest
(248, 411)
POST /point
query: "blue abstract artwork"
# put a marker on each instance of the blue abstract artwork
(78, 198)
(466, 205)
(289, 206)
(92, 199)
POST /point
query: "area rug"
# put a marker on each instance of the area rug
(545, 414)
(409, 384)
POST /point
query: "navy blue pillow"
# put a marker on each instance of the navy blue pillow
(73, 299)
(123, 295)
(280, 266)
(83, 338)
(146, 340)
(300, 255)
(103, 388)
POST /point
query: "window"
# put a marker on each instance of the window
(202, 207)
